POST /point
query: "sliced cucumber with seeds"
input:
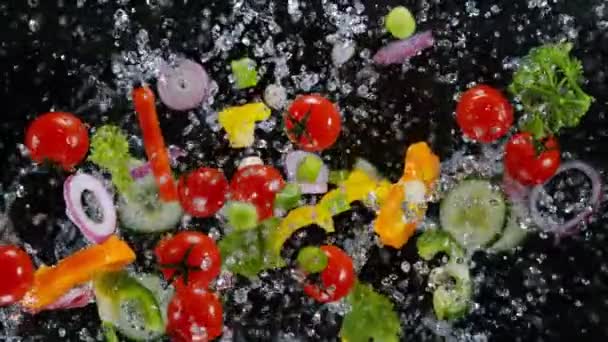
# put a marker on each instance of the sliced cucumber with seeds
(511, 237)
(474, 213)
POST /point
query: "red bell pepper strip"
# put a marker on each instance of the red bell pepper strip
(145, 106)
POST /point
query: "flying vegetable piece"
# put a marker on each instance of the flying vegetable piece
(145, 106)
(337, 277)
(244, 73)
(454, 288)
(239, 122)
(50, 283)
(372, 317)
(548, 84)
(421, 163)
(436, 241)
(110, 151)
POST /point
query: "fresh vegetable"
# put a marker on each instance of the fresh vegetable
(337, 278)
(144, 169)
(128, 306)
(144, 101)
(337, 176)
(436, 241)
(548, 85)
(95, 227)
(288, 198)
(559, 227)
(531, 162)
(312, 259)
(308, 170)
(392, 224)
(202, 192)
(142, 211)
(511, 237)
(188, 259)
(312, 122)
(50, 283)
(453, 290)
(421, 164)
(77, 297)
(258, 185)
(400, 51)
(57, 137)
(248, 161)
(400, 22)
(17, 274)
(372, 316)
(334, 202)
(109, 332)
(239, 122)
(249, 252)
(244, 73)
(241, 215)
(110, 151)
(484, 114)
(474, 213)
(184, 86)
(194, 314)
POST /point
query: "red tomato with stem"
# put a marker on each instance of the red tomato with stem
(484, 114)
(194, 314)
(58, 137)
(312, 122)
(337, 279)
(258, 185)
(17, 274)
(203, 192)
(189, 259)
(531, 162)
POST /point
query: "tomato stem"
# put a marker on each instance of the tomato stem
(299, 128)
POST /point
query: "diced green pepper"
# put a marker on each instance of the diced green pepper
(244, 72)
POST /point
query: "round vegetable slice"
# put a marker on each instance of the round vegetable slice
(184, 86)
(474, 213)
(511, 237)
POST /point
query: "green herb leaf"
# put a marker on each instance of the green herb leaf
(110, 151)
(548, 85)
(372, 316)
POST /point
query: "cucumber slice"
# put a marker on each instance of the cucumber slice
(511, 237)
(474, 213)
(142, 211)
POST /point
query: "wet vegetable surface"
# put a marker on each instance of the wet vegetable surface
(60, 56)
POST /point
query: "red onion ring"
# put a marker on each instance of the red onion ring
(73, 187)
(571, 226)
(144, 169)
(401, 50)
(76, 297)
(183, 87)
(292, 159)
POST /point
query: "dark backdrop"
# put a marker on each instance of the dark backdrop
(52, 53)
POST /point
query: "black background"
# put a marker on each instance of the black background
(47, 69)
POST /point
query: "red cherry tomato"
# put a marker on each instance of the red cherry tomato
(203, 192)
(58, 137)
(258, 185)
(189, 259)
(194, 314)
(525, 164)
(312, 122)
(337, 278)
(484, 114)
(17, 274)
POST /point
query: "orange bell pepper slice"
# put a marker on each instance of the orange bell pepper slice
(154, 144)
(50, 283)
(391, 223)
(422, 164)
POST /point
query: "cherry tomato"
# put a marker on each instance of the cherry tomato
(189, 259)
(58, 137)
(17, 274)
(312, 122)
(194, 314)
(337, 278)
(203, 192)
(258, 185)
(525, 164)
(484, 114)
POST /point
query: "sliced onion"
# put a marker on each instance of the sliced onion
(144, 169)
(248, 161)
(184, 86)
(572, 225)
(401, 50)
(77, 297)
(73, 188)
(292, 160)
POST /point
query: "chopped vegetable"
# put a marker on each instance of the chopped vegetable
(312, 259)
(400, 51)
(337, 278)
(338, 176)
(511, 237)
(372, 317)
(241, 215)
(400, 22)
(110, 151)
(144, 101)
(258, 185)
(95, 229)
(422, 164)
(288, 198)
(548, 85)
(248, 252)
(244, 73)
(50, 283)
(308, 169)
(452, 296)
(77, 297)
(436, 241)
(239, 122)
(109, 332)
(391, 224)
(184, 86)
(312, 122)
(335, 202)
(17, 273)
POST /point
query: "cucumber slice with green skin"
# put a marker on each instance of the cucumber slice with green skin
(474, 213)
(452, 297)
(143, 212)
(511, 237)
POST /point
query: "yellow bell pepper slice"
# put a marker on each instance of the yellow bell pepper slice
(239, 122)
